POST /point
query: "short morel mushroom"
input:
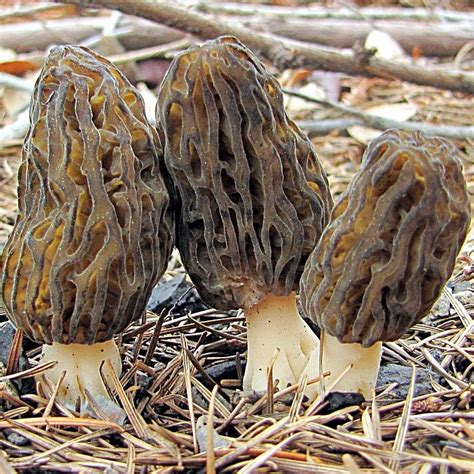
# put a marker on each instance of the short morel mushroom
(253, 199)
(389, 249)
(94, 228)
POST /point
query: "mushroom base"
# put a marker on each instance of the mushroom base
(83, 380)
(362, 376)
(277, 334)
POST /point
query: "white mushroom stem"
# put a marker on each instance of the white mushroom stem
(82, 363)
(274, 326)
(364, 362)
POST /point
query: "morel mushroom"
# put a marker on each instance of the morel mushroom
(390, 247)
(253, 199)
(94, 230)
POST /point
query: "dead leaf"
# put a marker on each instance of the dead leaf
(150, 101)
(298, 107)
(386, 47)
(17, 68)
(400, 112)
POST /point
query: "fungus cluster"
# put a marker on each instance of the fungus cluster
(251, 205)
(385, 256)
(252, 199)
(94, 230)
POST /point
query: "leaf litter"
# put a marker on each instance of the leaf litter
(181, 384)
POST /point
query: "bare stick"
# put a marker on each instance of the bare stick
(382, 123)
(435, 39)
(27, 11)
(9, 80)
(319, 13)
(342, 27)
(287, 54)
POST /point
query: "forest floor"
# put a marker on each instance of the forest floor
(422, 417)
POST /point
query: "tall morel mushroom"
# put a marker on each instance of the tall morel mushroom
(389, 249)
(253, 199)
(94, 228)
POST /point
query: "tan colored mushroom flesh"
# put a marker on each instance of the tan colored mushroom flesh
(94, 231)
(389, 249)
(253, 198)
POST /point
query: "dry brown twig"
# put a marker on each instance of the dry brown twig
(381, 123)
(164, 388)
(434, 39)
(320, 12)
(283, 53)
(342, 27)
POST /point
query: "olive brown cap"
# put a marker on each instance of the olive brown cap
(94, 229)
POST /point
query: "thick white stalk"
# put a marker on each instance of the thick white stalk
(82, 364)
(365, 362)
(274, 325)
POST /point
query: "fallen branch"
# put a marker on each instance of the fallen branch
(381, 123)
(319, 13)
(15, 130)
(439, 39)
(135, 33)
(161, 51)
(27, 11)
(287, 54)
(323, 127)
(8, 80)
(433, 34)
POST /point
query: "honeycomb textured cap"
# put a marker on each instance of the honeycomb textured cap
(94, 229)
(253, 198)
(392, 241)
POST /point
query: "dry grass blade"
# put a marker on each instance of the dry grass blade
(5, 467)
(322, 382)
(377, 463)
(320, 398)
(220, 408)
(215, 331)
(200, 369)
(174, 360)
(40, 368)
(297, 401)
(453, 381)
(460, 309)
(373, 430)
(265, 456)
(154, 338)
(149, 53)
(131, 459)
(404, 422)
(350, 463)
(445, 434)
(270, 382)
(61, 447)
(230, 418)
(49, 406)
(268, 432)
(189, 393)
(61, 421)
(14, 354)
(136, 420)
(468, 322)
(211, 458)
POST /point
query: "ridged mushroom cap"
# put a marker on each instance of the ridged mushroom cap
(392, 241)
(252, 196)
(94, 231)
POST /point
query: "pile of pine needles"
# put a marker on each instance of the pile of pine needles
(182, 378)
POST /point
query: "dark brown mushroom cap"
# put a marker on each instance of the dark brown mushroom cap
(253, 198)
(392, 241)
(94, 231)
